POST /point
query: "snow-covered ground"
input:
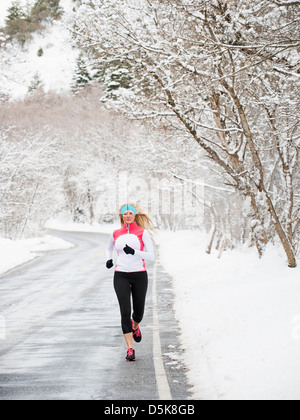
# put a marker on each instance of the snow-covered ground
(239, 316)
(61, 224)
(16, 253)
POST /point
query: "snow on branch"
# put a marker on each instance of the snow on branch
(286, 3)
(224, 67)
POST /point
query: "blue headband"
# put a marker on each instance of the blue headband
(128, 207)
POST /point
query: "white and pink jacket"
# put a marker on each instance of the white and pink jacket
(137, 238)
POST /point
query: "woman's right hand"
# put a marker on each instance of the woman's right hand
(109, 264)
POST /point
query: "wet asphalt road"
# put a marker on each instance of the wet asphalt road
(63, 339)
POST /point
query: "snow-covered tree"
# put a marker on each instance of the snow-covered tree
(224, 73)
(15, 11)
(36, 84)
(82, 76)
(46, 9)
(22, 21)
(25, 176)
(17, 25)
(4, 65)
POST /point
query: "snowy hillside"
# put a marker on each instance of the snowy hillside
(54, 68)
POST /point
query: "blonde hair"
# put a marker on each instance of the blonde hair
(141, 219)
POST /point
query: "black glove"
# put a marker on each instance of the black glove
(129, 250)
(109, 264)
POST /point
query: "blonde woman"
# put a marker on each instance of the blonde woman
(134, 246)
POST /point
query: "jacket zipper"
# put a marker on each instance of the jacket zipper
(128, 227)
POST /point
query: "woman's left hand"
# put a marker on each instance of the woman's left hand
(129, 250)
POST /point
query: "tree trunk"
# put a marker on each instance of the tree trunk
(209, 248)
(283, 237)
(222, 247)
(287, 245)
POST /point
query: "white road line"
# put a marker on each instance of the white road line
(160, 373)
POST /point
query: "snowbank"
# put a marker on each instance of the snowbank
(15, 253)
(60, 224)
(239, 317)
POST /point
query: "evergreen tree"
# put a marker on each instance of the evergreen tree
(116, 78)
(81, 77)
(17, 24)
(40, 52)
(45, 9)
(36, 83)
(15, 12)
(20, 24)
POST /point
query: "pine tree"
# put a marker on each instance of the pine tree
(17, 24)
(40, 52)
(36, 83)
(15, 12)
(81, 77)
(45, 9)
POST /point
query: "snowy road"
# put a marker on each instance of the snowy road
(62, 336)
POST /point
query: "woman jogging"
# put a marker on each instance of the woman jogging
(131, 277)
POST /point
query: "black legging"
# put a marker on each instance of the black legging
(126, 284)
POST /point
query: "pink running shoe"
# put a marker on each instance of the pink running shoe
(137, 335)
(130, 355)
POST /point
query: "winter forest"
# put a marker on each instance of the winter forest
(188, 107)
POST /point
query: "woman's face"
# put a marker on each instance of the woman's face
(128, 217)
